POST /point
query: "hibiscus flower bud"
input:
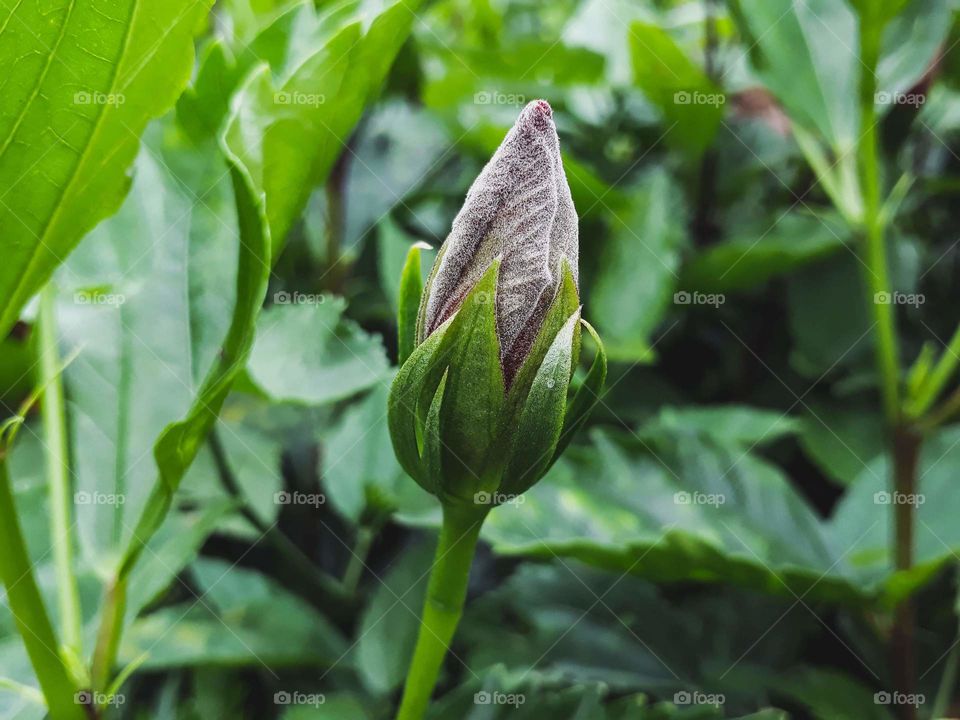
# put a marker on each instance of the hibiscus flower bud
(519, 211)
(479, 409)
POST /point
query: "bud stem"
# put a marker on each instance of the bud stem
(443, 607)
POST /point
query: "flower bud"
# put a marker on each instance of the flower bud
(519, 210)
(479, 408)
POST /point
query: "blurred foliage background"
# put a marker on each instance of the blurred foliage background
(717, 545)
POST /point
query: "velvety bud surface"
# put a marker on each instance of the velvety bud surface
(519, 209)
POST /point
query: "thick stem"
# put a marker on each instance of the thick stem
(58, 482)
(905, 444)
(906, 455)
(29, 612)
(446, 593)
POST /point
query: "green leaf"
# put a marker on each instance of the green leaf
(244, 620)
(411, 288)
(717, 514)
(862, 519)
(729, 425)
(82, 82)
(808, 59)
(692, 105)
(289, 134)
(390, 621)
(760, 254)
(640, 261)
(842, 436)
(309, 353)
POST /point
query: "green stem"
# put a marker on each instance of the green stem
(446, 593)
(905, 443)
(108, 637)
(351, 577)
(29, 612)
(58, 482)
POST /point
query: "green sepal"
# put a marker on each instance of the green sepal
(586, 397)
(408, 312)
(474, 395)
(541, 421)
(433, 443)
(565, 303)
(403, 418)
(424, 296)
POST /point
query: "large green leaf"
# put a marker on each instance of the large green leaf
(287, 134)
(639, 262)
(82, 80)
(692, 105)
(161, 300)
(757, 254)
(863, 517)
(238, 618)
(309, 353)
(677, 508)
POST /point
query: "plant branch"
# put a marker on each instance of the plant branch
(58, 482)
(29, 611)
(446, 593)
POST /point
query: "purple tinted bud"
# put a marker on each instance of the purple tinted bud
(518, 209)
